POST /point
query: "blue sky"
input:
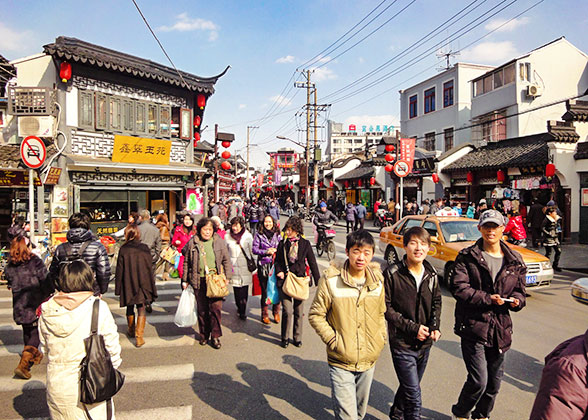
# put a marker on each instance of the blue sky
(264, 42)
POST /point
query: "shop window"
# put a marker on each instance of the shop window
(140, 117)
(448, 138)
(447, 94)
(429, 143)
(85, 109)
(429, 100)
(152, 119)
(128, 116)
(164, 120)
(114, 106)
(101, 111)
(413, 106)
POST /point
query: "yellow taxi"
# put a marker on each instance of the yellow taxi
(449, 235)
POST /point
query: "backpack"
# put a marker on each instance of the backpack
(73, 255)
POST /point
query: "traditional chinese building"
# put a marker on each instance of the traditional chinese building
(125, 126)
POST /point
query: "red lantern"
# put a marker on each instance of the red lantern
(196, 136)
(226, 165)
(291, 186)
(331, 184)
(549, 170)
(226, 144)
(226, 154)
(346, 184)
(389, 147)
(359, 182)
(389, 168)
(389, 157)
(65, 71)
(372, 180)
(322, 184)
(201, 101)
(470, 177)
(500, 176)
(435, 178)
(197, 121)
(195, 143)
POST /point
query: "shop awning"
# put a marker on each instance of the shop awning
(514, 153)
(359, 172)
(84, 163)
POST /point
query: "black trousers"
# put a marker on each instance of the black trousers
(557, 250)
(350, 224)
(292, 313)
(359, 223)
(485, 366)
(30, 334)
(241, 294)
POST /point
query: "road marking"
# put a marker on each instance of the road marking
(132, 375)
(163, 413)
(162, 292)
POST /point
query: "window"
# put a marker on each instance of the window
(509, 74)
(140, 117)
(413, 106)
(152, 119)
(431, 227)
(488, 83)
(85, 109)
(496, 79)
(447, 94)
(448, 137)
(185, 124)
(101, 111)
(429, 100)
(336, 150)
(525, 71)
(164, 120)
(410, 223)
(128, 116)
(478, 87)
(114, 106)
(336, 141)
(429, 141)
(492, 128)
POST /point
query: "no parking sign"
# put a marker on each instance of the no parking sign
(33, 152)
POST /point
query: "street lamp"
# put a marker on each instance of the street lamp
(307, 150)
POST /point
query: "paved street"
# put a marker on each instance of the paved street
(252, 377)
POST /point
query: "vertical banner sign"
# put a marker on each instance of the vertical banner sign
(259, 180)
(277, 177)
(407, 152)
(194, 201)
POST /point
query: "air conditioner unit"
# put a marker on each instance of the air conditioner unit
(36, 126)
(534, 90)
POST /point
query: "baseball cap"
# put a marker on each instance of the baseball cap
(491, 216)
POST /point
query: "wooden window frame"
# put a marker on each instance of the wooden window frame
(429, 100)
(81, 95)
(131, 129)
(186, 113)
(163, 132)
(99, 125)
(447, 92)
(155, 132)
(111, 100)
(445, 132)
(413, 106)
(138, 106)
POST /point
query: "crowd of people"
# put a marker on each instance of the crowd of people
(400, 303)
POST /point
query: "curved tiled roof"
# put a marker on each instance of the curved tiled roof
(73, 49)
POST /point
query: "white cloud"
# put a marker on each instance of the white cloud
(11, 40)
(286, 59)
(281, 100)
(510, 26)
(242, 106)
(361, 60)
(185, 24)
(372, 120)
(490, 52)
(322, 74)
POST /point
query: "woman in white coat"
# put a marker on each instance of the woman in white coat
(238, 240)
(64, 324)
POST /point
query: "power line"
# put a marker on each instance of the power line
(160, 45)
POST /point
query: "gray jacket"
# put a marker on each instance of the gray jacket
(151, 237)
(361, 211)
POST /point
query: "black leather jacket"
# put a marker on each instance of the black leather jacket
(95, 255)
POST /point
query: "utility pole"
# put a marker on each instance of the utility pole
(307, 190)
(216, 180)
(315, 192)
(247, 181)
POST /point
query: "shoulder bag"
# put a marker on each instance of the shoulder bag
(295, 286)
(251, 266)
(99, 380)
(216, 284)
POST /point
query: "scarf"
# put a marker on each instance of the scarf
(237, 236)
(293, 253)
(269, 234)
(72, 300)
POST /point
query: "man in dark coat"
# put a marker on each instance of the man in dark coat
(488, 281)
(150, 235)
(535, 218)
(80, 238)
(563, 391)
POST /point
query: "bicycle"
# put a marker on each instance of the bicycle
(325, 242)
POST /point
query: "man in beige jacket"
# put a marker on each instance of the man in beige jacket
(348, 314)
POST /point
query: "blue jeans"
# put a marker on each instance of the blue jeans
(485, 366)
(410, 366)
(350, 392)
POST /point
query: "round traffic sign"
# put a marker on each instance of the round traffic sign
(33, 152)
(401, 168)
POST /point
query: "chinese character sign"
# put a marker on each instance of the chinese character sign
(277, 177)
(194, 201)
(407, 152)
(130, 149)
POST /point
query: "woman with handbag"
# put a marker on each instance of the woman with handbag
(162, 223)
(265, 245)
(207, 268)
(239, 241)
(293, 254)
(27, 278)
(64, 324)
(134, 281)
(181, 237)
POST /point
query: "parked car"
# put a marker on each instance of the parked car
(451, 234)
(580, 290)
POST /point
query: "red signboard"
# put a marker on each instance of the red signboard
(352, 127)
(407, 152)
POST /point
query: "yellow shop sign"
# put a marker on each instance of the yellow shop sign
(130, 149)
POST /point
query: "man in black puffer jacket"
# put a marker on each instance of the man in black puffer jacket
(94, 254)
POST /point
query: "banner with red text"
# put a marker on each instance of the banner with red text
(407, 152)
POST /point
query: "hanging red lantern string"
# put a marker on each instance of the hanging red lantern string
(201, 101)
(389, 168)
(65, 71)
(331, 184)
(196, 136)
(197, 121)
(500, 176)
(359, 183)
(389, 157)
(226, 165)
(549, 170)
(470, 177)
(226, 144)
(372, 180)
(346, 184)
(435, 178)
(226, 154)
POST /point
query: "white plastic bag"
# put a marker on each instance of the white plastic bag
(186, 312)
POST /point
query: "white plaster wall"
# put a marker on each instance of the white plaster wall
(71, 107)
(567, 172)
(445, 179)
(37, 70)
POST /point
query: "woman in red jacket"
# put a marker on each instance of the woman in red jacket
(516, 230)
(182, 236)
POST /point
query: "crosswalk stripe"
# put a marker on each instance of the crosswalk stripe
(162, 413)
(160, 292)
(132, 375)
(150, 342)
(114, 306)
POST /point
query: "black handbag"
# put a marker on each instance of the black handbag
(99, 380)
(251, 266)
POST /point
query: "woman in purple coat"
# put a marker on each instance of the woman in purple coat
(265, 245)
